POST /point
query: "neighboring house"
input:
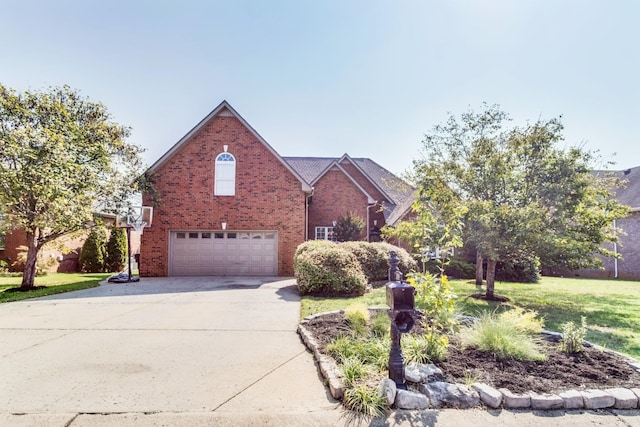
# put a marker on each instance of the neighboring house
(629, 246)
(231, 205)
(60, 256)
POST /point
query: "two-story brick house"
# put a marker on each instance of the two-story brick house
(231, 205)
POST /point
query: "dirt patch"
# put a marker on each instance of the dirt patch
(592, 368)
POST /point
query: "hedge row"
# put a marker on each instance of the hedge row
(327, 268)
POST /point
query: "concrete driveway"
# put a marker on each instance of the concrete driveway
(161, 345)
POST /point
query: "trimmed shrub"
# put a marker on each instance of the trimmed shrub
(329, 271)
(116, 250)
(311, 245)
(348, 227)
(374, 265)
(93, 251)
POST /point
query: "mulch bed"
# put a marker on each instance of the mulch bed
(592, 368)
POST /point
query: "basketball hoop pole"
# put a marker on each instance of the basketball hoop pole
(129, 252)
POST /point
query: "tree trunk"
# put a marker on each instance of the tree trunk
(491, 278)
(29, 275)
(479, 269)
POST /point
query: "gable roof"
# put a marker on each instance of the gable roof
(224, 109)
(630, 194)
(400, 195)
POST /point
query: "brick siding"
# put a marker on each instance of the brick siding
(267, 195)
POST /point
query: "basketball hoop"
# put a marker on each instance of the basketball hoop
(136, 218)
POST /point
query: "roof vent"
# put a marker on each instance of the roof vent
(627, 172)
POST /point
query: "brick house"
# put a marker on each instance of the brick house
(231, 205)
(629, 246)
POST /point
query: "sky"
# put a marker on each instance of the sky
(324, 78)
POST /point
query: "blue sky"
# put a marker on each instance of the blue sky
(322, 78)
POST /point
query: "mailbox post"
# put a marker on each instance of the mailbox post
(401, 302)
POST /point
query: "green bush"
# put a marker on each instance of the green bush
(329, 271)
(116, 250)
(348, 227)
(365, 400)
(374, 263)
(311, 245)
(522, 270)
(92, 255)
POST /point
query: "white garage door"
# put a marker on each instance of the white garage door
(224, 253)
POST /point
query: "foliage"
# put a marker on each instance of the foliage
(513, 192)
(523, 270)
(502, 337)
(371, 351)
(61, 157)
(94, 250)
(348, 227)
(426, 348)
(374, 259)
(311, 245)
(352, 369)
(358, 317)
(459, 268)
(366, 400)
(526, 321)
(380, 325)
(4, 266)
(329, 270)
(116, 250)
(436, 300)
(573, 336)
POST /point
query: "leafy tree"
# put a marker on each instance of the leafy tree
(520, 195)
(94, 251)
(348, 228)
(116, 250)
(61, 158)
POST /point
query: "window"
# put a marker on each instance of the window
(193, 235)
(206, 235)
(181, 235)
(225, 175)
(1, 241)
(325, 233)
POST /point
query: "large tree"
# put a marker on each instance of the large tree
(522, 196)
(62, 158)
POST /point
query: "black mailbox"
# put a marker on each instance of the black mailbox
(400, 296)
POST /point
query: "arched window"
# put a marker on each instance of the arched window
(225, 182)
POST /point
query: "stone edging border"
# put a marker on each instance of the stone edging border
(617, 398)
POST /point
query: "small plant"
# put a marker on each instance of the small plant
(525, 320)
(352, 369)
(380, 325)
(365, 400)
(4, 266)
(502, 338)
(469, 378)
(430, 347)
(357, 316)
(573, 336)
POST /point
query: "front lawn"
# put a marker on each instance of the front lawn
(612, 308)
(54, 283)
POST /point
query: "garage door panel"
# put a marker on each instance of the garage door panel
(223, 253)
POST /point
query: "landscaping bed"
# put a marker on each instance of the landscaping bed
(593, 368)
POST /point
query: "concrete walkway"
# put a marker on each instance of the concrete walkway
(192, 352)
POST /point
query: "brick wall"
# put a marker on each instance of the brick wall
(268, 196)
(334, 196)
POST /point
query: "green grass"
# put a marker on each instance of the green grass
(55, 283)
(612, 308)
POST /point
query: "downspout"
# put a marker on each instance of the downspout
(368, 220)
(615, 252)
(306, 214)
